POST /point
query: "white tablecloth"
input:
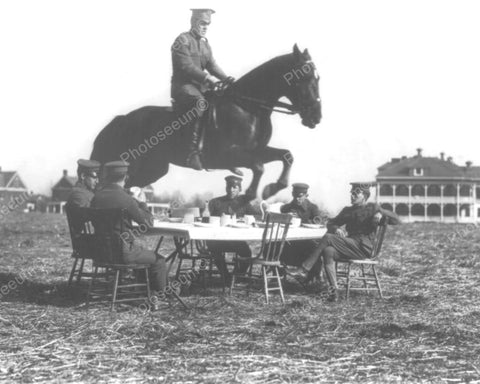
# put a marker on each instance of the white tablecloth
(192, 232)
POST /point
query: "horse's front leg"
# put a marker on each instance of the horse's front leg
(269, 154)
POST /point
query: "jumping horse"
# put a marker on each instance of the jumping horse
(152, 137)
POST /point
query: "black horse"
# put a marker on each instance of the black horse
(150, 138)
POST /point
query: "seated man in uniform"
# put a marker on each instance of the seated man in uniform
(113, 195)
(83, 191)
(295, 252)
(355, 242)
(231, 204)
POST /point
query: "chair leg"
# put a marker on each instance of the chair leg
(90, 287)
(249, 284)
(279, 281)
(365, 284)
(265, 281)
(232, 283)
(377, 282)
(147, 281)
(347, 295)
(72, 272)
(80, 271)
(177, 274)
(115, 288)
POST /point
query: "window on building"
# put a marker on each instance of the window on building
(465, 190)
(417, 171)
(418, 190)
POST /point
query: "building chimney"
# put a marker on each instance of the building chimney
(419, 152)
(442, 155)
(469, 164)
(450, 159)
(65, 173)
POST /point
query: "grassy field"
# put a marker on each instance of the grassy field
(427, 329)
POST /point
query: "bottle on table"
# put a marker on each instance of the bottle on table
(206, 213)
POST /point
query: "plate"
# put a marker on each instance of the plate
(240, 225)
(175, 219)
(260, 224)
(312, 226)
(204, 225)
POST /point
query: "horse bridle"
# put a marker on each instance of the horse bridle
(289, 109)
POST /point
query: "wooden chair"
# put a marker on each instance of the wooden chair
(81, 234)
(268, 258)
(366, 267)
(108, 249)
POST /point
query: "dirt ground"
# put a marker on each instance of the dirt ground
(427, 330)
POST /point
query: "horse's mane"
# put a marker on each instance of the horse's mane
(265, 76)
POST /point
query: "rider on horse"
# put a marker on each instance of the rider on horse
(194, 72)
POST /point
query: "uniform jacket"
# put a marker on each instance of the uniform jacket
(359, 223)
(114, 196)
(191, 56)
(240, 206)
(80, 196)
(307, 211)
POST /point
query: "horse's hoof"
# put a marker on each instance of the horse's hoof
(236, 171)
(271, 189)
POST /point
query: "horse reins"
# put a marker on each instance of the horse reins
(290, 109)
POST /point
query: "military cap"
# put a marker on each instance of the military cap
(233, 180)
(202, 14)
(300, 187)
(88, 166)
(363, 187)
(117, 168)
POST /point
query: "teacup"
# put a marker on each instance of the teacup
(249, 219)
(189, 218)
(225, 220)
(215, 221)
(296, 221)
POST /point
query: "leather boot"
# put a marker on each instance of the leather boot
(193, 159)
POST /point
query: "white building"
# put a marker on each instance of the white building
(430, 189)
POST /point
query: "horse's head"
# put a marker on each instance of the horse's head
(302, 88)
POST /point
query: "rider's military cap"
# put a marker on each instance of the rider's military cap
(117, 168)
(233, 180)
(202, 14)
(88, 166)
(300, 188)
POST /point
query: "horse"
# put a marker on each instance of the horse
(151, 137)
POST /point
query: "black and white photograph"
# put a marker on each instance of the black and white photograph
(251, 192)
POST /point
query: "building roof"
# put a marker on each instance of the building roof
(11, 179)
(66, 181)
(419, 167)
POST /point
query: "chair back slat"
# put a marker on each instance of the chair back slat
(274, 235)
(379, 236)
(81, 231)
(109, 226)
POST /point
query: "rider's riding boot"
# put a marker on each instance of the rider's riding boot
(193, 159)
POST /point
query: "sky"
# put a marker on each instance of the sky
(395, 76)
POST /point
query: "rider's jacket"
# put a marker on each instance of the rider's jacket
(191, 56)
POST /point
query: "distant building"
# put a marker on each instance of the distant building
(62, 189)
(60, 192)
(422, 188)
(13, 191)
